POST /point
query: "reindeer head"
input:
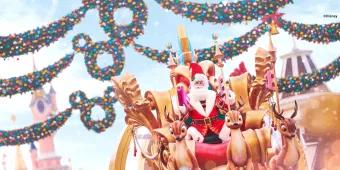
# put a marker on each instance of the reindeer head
(287, 125)
(234, 119)
(177, 128)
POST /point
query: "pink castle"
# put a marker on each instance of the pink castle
(43, 106)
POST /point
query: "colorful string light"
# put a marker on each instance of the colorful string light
(312, 32)
(224, 12)
(236, 46)
(309, 80)
(153, 54)
(79, 101)
(34, 80)
(107, 72)
(93, 50)
(34, 132)
(33, 40)
(123, 34)
(229, 49)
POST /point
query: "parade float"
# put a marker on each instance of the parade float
(241, 102)
(207, 119)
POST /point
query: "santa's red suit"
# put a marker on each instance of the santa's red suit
(204, 120)
(208, 118)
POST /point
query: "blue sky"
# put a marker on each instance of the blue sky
(91, 151)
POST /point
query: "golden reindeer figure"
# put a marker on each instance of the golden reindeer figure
(182, 156)
(289, 155)
(238, 152)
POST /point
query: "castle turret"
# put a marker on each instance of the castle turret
(299, 62)
(53, 97)
(34, 156)
(43, 106)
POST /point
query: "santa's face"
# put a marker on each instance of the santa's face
(199, 88)
(199, 84)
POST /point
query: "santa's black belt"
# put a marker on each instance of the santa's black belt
(208, 120)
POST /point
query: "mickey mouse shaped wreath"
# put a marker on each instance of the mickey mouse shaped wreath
(79, 101)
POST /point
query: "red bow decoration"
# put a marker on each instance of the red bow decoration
(274, 17)
(238, 71)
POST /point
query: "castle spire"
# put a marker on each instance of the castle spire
(40, 91)
(294, 44)
(34, 65)
(52, 91)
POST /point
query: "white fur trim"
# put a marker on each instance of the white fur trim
(196, 104)
(209, 99)
(210, 102)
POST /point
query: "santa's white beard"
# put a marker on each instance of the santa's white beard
(199, 94)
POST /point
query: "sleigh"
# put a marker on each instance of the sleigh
(150, 111)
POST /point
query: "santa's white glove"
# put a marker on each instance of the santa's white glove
(182, 109)
(194, 134)
(179, 110)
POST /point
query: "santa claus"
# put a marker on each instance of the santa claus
(205, 120)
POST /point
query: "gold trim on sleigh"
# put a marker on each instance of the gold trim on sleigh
(139, 112)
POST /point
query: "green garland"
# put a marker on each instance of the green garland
(309, 80)
(107, 72)
(120, 36)
(229, 49)
(35, 80)
(34, 132)
(244, 10)
(234, 47)
(153, 54)
(33, 40)
(312, 32)
(93, 50)
(79, 101)
(123, 34)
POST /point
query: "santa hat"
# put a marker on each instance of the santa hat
(197, 73)
(195, 69)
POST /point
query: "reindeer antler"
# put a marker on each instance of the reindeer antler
(277, 115)
(295, 110)
(167, 116)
